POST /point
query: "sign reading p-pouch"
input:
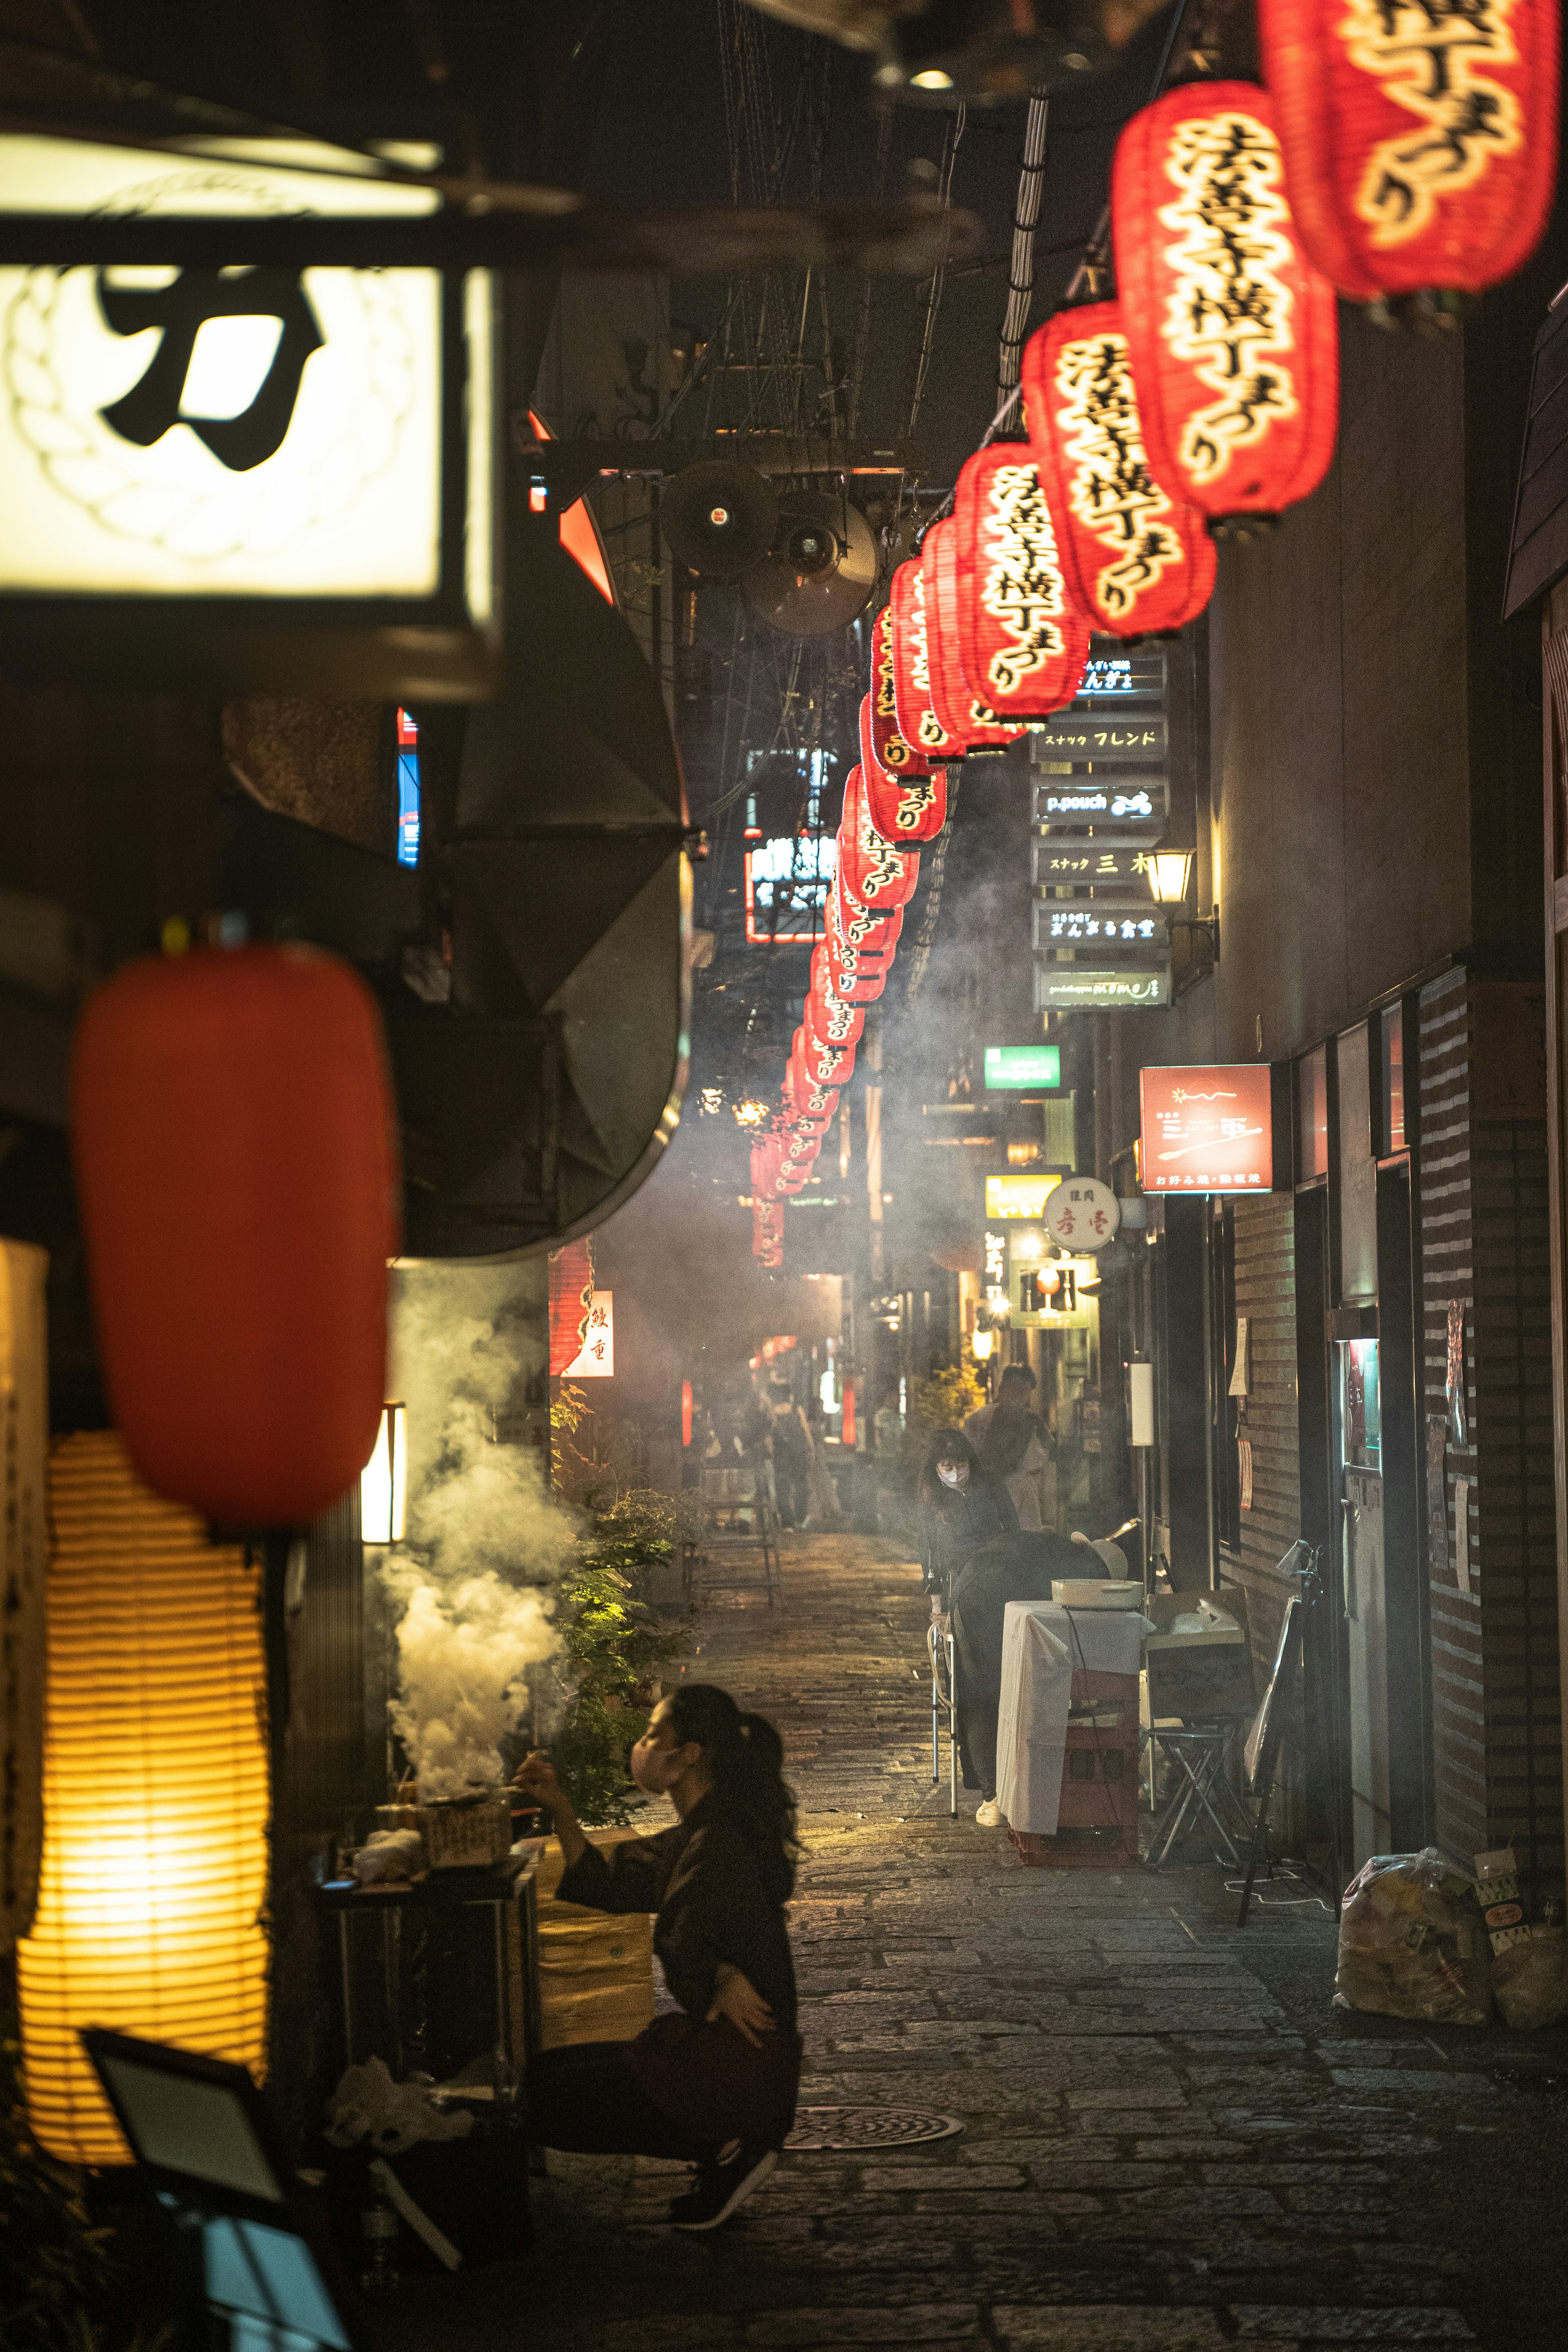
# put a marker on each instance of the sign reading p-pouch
(216, 445)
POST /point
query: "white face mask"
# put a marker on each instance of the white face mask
(953, 1474)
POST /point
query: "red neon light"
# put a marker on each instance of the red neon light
(848, 1430)
(686, 1412)
(408, 732)
(580, 533)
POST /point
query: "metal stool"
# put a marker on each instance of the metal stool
(1199, 1751)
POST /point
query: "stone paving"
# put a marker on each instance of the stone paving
(1171, 2141)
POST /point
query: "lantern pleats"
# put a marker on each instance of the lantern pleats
(1138, 560)
(907, 805)
(975, 718)
(872, 872)
(1420, 141)
(1022, 640)
(918, 721)
(1232, 333)
(155, 1793)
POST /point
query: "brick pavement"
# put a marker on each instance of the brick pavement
(1171, 2141)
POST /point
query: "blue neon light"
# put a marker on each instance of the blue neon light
(408, 808)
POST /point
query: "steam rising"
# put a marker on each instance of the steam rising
(488, 1548)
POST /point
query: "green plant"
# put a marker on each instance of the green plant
(947, 1399)
(616, 1645)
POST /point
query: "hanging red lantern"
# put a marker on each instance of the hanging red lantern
(823, 1066)
(232, 1131)
(1232, 333)
(959, 702)
(804, 1097)
(1420, 141)
(879, 712)
(1138, 560)
(766, 1156)
(767, 1231)
(1022, 640)
(918, 721)
(907, 808)
(860, 968)
(835, 1024)
(873, 873)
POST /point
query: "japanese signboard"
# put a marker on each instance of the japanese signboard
(1083, 1214)
(1100, 922)
(1018, 1196)
(1043, 1288)
(1022, 1065)
(595, 1361)
(1207, 1129)
(1074, 987)
(1134, 810)
(1103, 738)
(1079, 865)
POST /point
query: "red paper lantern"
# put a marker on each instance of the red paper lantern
(1137, 560)
(960, 704)
(804, 1097)
(918, 721)
(890, 752)
(571, 1302)
(822, 1066)
(1232, 333)
(835, 1024)
(232, 1131)
(1420, 141)
(873, 873)
(1022, 641)
(906, 808)
(767, 1231)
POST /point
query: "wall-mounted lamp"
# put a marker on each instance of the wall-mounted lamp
(1171, 886)
(383, 1481)
(982, 1342)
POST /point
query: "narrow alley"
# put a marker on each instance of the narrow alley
(1171, 2141)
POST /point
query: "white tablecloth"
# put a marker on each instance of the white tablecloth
(1041, 1646)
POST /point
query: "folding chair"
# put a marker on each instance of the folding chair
(1200, 1751)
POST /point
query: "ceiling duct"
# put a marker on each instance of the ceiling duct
(532, 972)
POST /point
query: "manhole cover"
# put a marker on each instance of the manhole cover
(851, 2128)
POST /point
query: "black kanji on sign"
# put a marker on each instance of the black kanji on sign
(181, 309)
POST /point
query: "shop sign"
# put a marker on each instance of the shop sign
(1043, 1288)
(596, 1360)
(221, 445)
(1018, 1196)
(1100, 923)
(1078, 864)
(1022, 1066)
(1207, 1129)
(1069, 988)
(1107, 741)
(1083, 1214)
(1134, 810)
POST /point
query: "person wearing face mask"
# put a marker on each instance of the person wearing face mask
(715, 2085)
(961, 1507)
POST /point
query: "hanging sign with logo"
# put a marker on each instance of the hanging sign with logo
(596, 1360)
(1075, 987)
(1083, 1214)
(1134, 810)
(1207, 1129)
(246, 474)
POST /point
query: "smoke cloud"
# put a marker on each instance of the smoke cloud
(487, 1549)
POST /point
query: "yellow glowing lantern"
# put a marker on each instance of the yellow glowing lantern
(156, 1795)
(383, 1481)
(983, 1342)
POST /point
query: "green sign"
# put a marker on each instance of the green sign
(1022, 1065)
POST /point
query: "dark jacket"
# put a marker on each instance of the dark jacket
(956, 1520)
(702, 1881)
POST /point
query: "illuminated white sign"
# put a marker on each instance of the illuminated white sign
(225, 432)
(786, 888)
(596, 1360)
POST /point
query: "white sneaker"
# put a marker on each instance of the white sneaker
(990, 1816)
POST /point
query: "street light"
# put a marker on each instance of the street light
(1171, 886)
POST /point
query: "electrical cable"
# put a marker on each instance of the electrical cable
(1026, 220)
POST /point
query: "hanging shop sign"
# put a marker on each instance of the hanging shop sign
(1107, 741)
(1207, 1129)
(1045, 1289)
(916, 712)
(257, 476)
(1083, 1214)
(596, 1360)
(1137, 809)
(968, 715)
(1010, 1067)
(1135, 557)
(1081, 987)
(1076, 865)
(1100, 923)
(1420, 141)
(1232, 333)
(1022, 639)
(1018, 1196)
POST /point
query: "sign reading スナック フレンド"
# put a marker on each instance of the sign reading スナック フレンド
(1106, 741)
(1069, 988)
(1207, 1129)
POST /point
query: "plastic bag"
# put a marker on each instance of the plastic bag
(1411, 1943)
(1529, 1980)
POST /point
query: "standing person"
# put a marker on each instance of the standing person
(793, 1454)
(716, 2084)
(961, 1507)
(1013, 1444)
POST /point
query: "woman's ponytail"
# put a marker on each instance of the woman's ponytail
(745, 1755)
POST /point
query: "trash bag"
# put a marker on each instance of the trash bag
(1411, 1944)
(1529, 1980)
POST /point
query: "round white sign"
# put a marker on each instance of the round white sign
(1083, 1214)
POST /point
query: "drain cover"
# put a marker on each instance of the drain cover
(875, 2127)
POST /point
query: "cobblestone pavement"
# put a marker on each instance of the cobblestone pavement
(1171, 2141)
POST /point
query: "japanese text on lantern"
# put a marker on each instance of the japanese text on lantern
(891, 749)
(1112, 494)
(1023, 587)
(1229, 310)
(1430, 56)
(932, 738)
